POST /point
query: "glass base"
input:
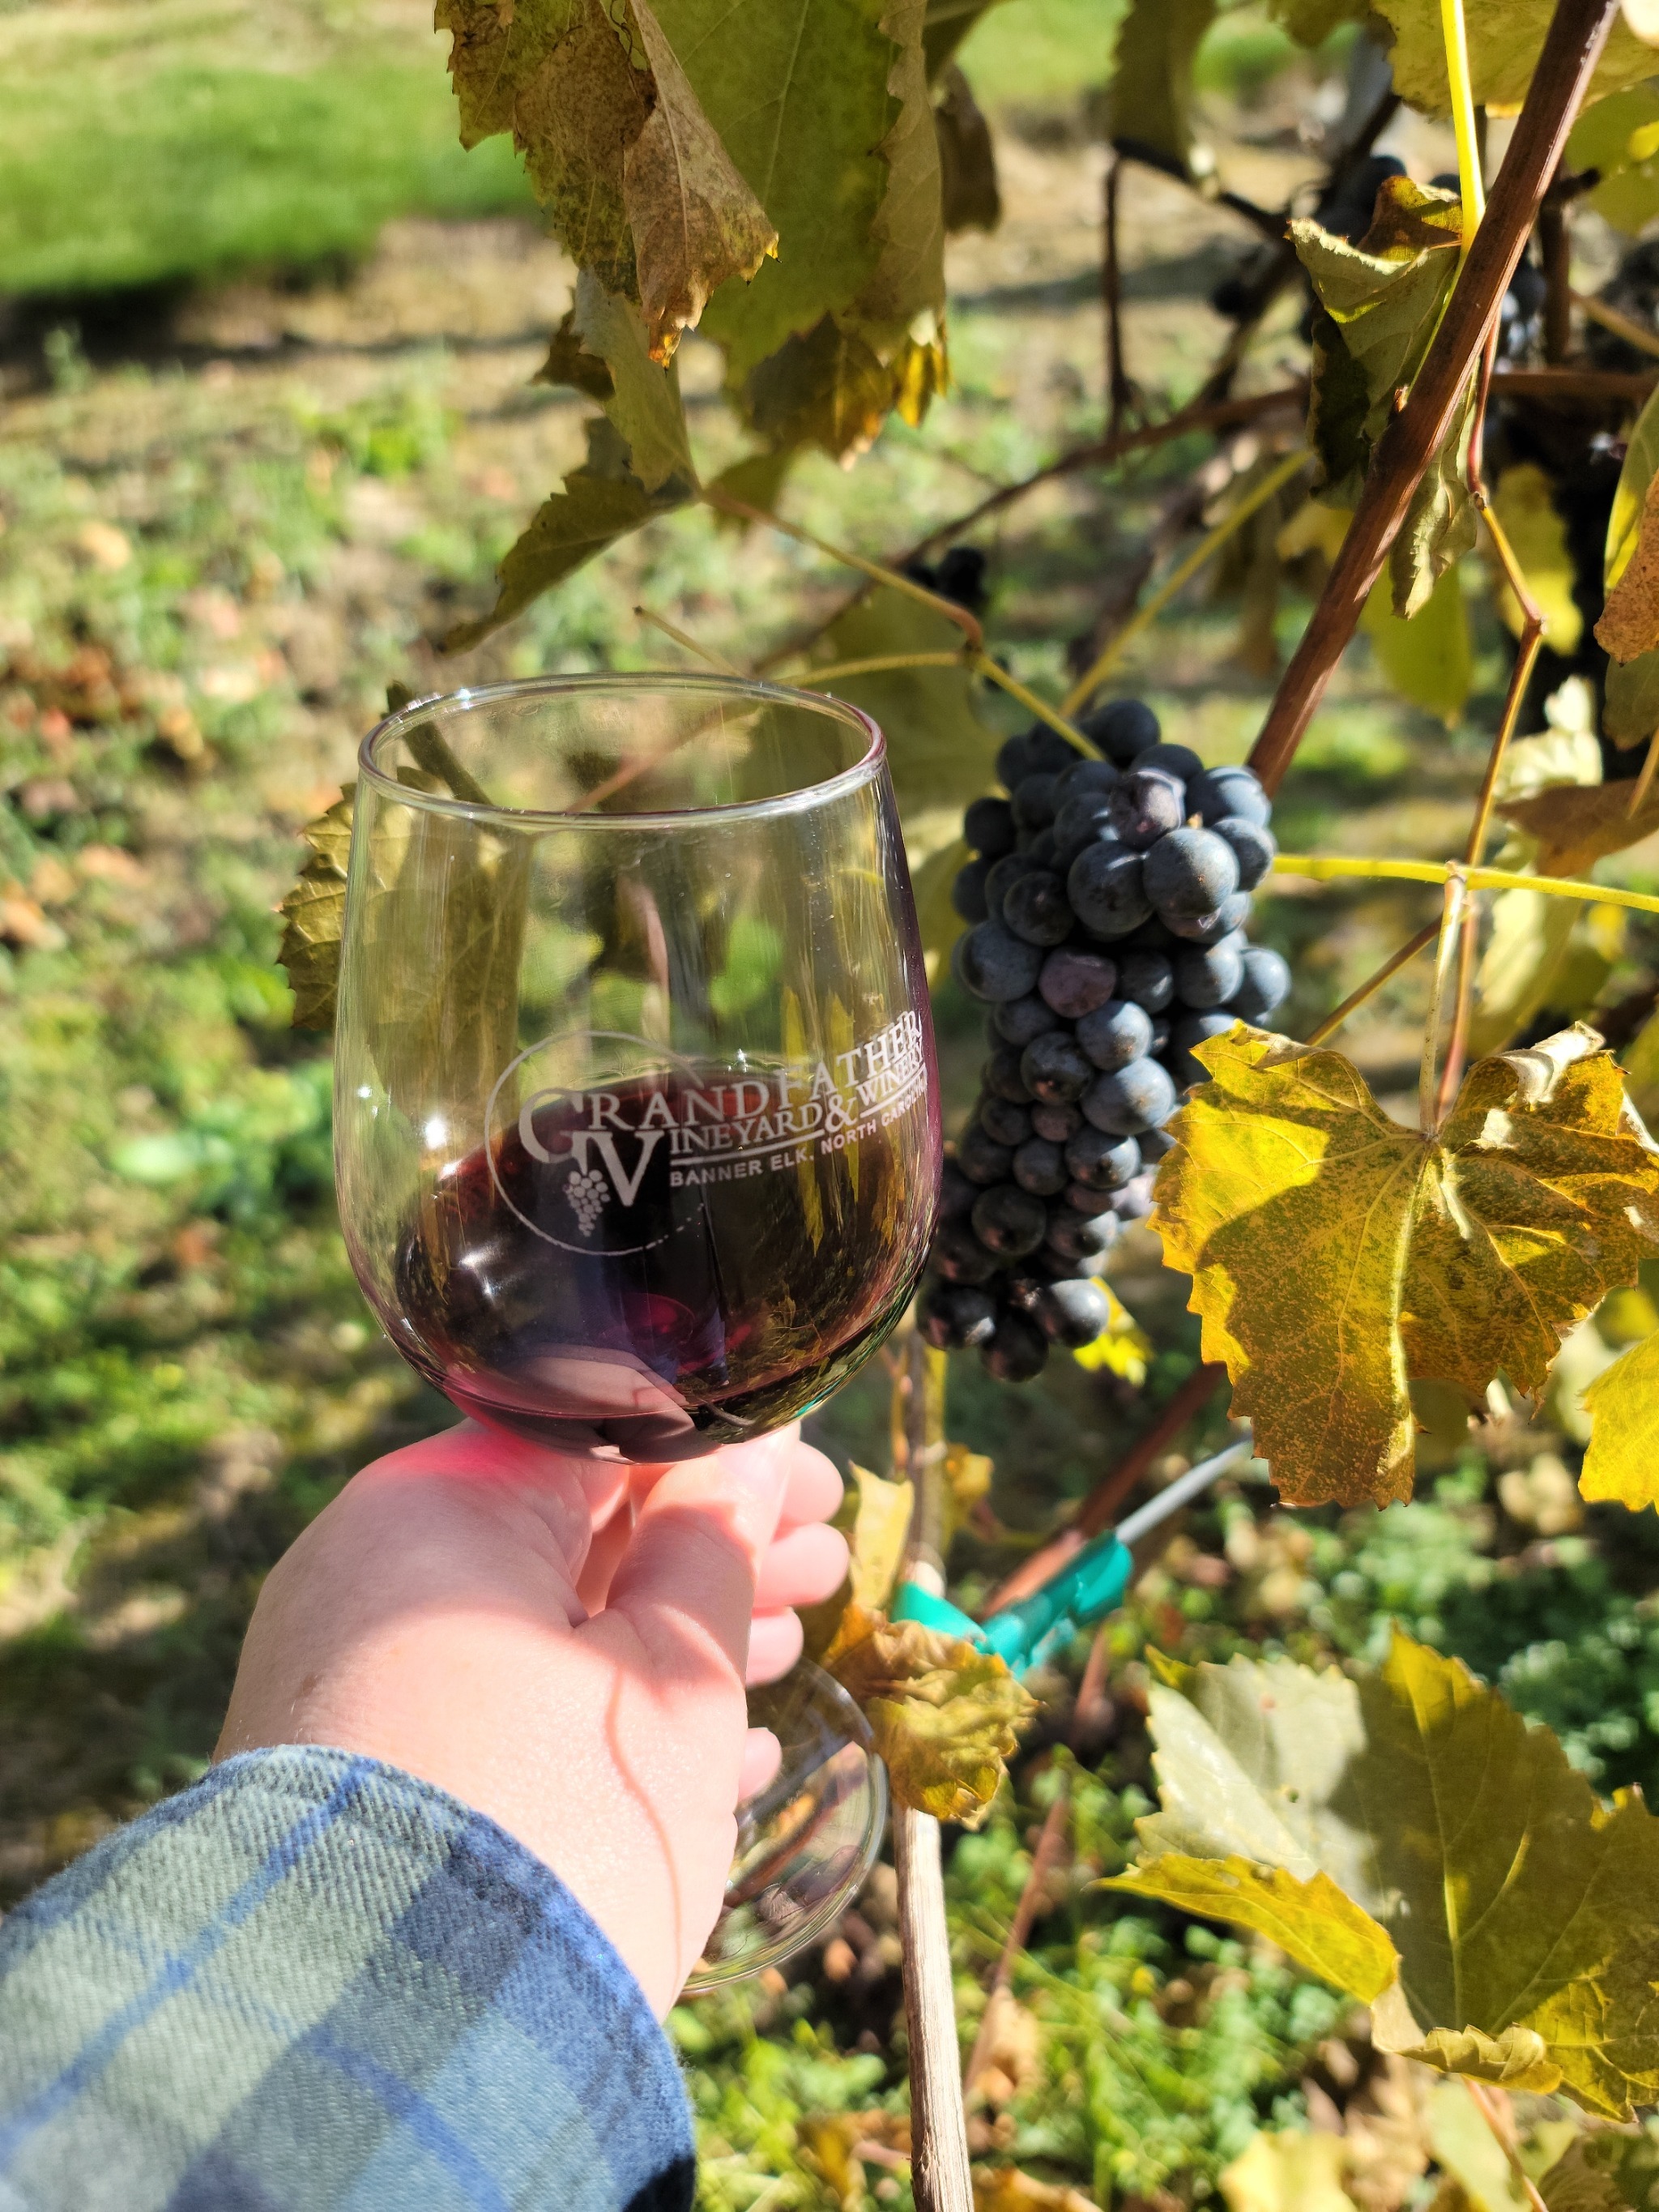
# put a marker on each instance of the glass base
(805, 1842)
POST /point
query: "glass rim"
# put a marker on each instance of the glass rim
(864, 771)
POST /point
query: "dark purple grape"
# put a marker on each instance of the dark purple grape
(968, 892)
(958, 1256)
(1160, 1035)
(980, 1159)
(1210, 928)
(1081, 1236)
(1106, 891)
(955, 1315)
(1004, 1122)
(1035, 802)
(1040, 851)
(1079, 822)
(999, 879)
(1016, 761)
(1001, 1077)
(1189, 872)
(1147, 978)
(1266, 984)
(990, 962)
(1074, 983)
(955, 1193)
(1145, 807)
(1254, 847)
(1223, 792)
(1016, 1021)
(1134, 1201)
(1082, 1199)
(988, 826)
(1208, 976)
(1073, 1312)
(1082, 777)
(1009, 1222)
(1057, 1125)
(1100, 1161)
(1137, 1097)
(1115, 1034)
(1018, 1353)
(1194, 1029)
(1157, 1145)
(1153, 935)
(1056, 1069)
(1178, 760)
(1123, 729)
(1037, 909)
(1039, 1168)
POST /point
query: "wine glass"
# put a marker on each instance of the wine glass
(636, 1125)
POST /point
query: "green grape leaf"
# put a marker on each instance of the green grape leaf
(877, 1544)
(948, 23)
(1621, 1462)
(1630, 702)
(945, 1714)
(602, 347)
(757, 479)
(833, 388)
(1336, 1257)
(937, 918)
(635, 178)
(1527, 513)
(1525, 1916)
(1439, 526)
(1607, 2171)
(313, 916)
(1504, 40)
(1431, 659)
(1311, 1921)
(1151, 87)
(1619, 138)
(1310, 22)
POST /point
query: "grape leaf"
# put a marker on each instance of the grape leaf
(314, 915)
(932, 881)
(1439, 526)
(1577, 824)
(1604, 2172)
(879, 1530)
(1504, 38)
(603, 348)
(1531, 522)
(1522, 1912)
(1310, 22)
(1630, 497)
(1616, 139)
(948, 23)
(945, 1714)
(1311, 1921)
(1431, 659)
(1151, 88)
(970, 197)
(634, 177)
(1630, 705)
(1337, 1257)
(1288, 2171)
(1622, 1460)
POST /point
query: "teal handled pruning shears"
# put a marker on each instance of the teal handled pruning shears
(1033, 1630)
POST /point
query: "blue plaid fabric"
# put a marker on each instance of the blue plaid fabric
(313, 1983)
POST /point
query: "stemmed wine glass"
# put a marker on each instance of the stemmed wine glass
(637, 1126)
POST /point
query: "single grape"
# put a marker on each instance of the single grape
(1134, 1201)
(1035, 802)
(1136, 1097)
(1266, 984)
(1157, 1145)
(955, 1315)
(1037, 910)
(968, 892)
(1037, 751)
(958, 1256)
(1189, 872)
(1001, 1077)
(1074, 983)
(1147, 978)
(955, 1193)
(988, 826)
(1073, 1312)
(1080, 821)
(1058, 1125)
(1081, 1236)
(1004, 1122)
(1016, 1021)
(1102, 1162)
(1191, 1030)
(1254, 848)
(1016, 761)
(1210, 928)
(1054, 1069)
(1018, 1353)
(980, 1159)
(1085, 776)
(1040, 851)
(1208, 976)
(1153, 935)
(1223, 792)
(1106, 890)
(1178, 760)
(990, 962)
(1122, 729)
(1115, 1034)
(1039, 1168)
(1145, 807)
(999, 879)
(1009, 1222)
(1082, 1199)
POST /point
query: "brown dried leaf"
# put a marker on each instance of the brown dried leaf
(1577, 825)
(1629, 621)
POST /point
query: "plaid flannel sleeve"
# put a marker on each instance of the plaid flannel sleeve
(314, 1984)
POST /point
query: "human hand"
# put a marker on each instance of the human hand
(560, 1645)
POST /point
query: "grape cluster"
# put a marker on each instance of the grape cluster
(1106, 901)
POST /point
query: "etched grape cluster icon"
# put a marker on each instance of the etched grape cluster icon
(586, 1191)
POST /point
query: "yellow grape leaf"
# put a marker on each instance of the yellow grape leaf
(635, 178)
(313, 916)
(1504, 38)
(1629, 623)
(1525, 1915)
(1312, 1921)
(936, 914)
(1528, 516)
(1336, 1256)
(602, 348)
(879, 1529)
(1151, 88)
(1630, 496)
(945, 1714)
(1290, 2170)
(1622, 1460)
(967, 1479)
(1577, 825)
(1429, 659)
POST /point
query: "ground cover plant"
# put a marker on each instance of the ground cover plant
(208, 583)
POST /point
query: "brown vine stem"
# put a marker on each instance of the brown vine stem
(1373, 984)
(1572, 47)
(687, 643)
(1451, 915)
(1495, 2109)
(1121, 396)
(1597, 311)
